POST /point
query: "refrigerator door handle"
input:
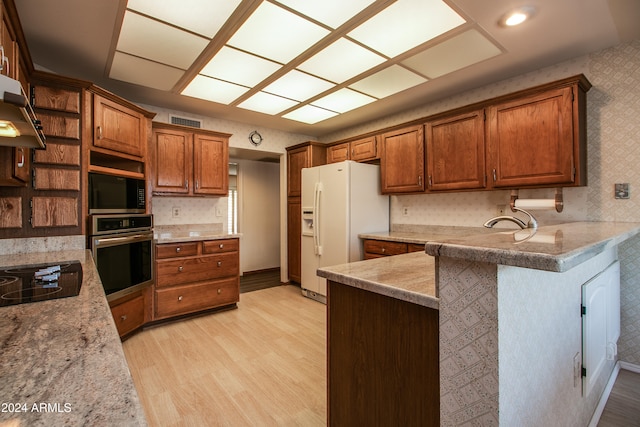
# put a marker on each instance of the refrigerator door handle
(317, 244)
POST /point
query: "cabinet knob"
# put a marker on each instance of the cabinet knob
(221, 245)
(186, 184)
(99, 131)
(180, 269)
(219, 263)
(123, 317)
(219, 291)
(178, 249)
(180, 298)
(384, 250)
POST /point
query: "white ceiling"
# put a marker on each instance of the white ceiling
(78, 38)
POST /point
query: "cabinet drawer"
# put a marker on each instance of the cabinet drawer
(179, 271)
(414, 247)
(384, 248)
(129, 315)
(190, 298)
(174, 250)
(218, 246)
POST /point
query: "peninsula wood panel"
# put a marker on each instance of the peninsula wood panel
(383, 360)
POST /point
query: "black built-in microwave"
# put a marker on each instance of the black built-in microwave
(115, 194)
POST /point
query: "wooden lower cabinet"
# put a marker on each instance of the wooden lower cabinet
(196, 276)
(379, 248)
(382, 360)
(131, 312)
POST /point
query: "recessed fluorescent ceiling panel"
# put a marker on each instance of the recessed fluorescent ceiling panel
(415, 21)
(332, 13)
(388, 81)
(204, 17)
(458, 52)
(213, 90)
(298, 86)
(309, 114)
(277, 34)
(343, 100)
(341, 61)
(267, 103)
(143, 72)
(239, 67)
(150, 39)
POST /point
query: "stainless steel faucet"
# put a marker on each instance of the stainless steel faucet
(532, 223)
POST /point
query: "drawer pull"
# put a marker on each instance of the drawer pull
(384, 250)
(219, 291)
(221, 245)
(178, 249)
(180, 298)
(180, 268)
(219, 263)
(123, 317)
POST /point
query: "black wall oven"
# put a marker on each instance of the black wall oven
(122, 247)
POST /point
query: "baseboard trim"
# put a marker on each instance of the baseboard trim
(630, 367)
(605, 395)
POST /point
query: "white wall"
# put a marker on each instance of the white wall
(259, 214)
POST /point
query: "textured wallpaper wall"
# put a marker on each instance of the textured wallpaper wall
(613, 134)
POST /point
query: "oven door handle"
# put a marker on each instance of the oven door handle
(133, 238)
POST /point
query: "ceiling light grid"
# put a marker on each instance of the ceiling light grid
(290, 57)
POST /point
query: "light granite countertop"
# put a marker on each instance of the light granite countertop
(407, 277)
(190, 233)
(64, 356)
(411, 277)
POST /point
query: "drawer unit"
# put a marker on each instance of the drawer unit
(196, 276)
(379, 248)
(194, 269)
(129, 315)
(186, 299)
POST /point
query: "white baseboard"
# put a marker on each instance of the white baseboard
(630, 367)
(605, 395)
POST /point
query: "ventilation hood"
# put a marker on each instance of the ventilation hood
(19, 126)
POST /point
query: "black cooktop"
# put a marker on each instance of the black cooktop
(39, 282)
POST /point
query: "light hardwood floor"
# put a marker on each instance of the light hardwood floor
(261, 364)
(623, 405)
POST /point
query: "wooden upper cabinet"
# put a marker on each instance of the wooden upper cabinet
(189, 162)
(360, 150)
(338, 153)
(455, 152)
(364, 149)
(210, 165)
(118, 128)
(531, 140)
(301, 156)
(173, 161)
(402, 160)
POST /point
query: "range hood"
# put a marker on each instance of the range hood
(19, 126)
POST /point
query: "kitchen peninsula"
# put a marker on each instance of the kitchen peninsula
(503, 313)
(62, 360)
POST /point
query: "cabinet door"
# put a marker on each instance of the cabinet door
(455, 152)
(540, 124)
(210, 165)
(117, 127)
(402, 160)
(338, 153)
(296, 160)
(294, 239)
(173, 161)
(364, 149)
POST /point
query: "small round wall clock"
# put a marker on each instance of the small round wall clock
(255, 138)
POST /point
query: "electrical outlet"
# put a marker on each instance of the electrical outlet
(405, 211)
(501, 209)
(175, 212)
(622, 191)
(218, 212)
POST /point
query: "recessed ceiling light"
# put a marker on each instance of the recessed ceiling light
(517, 16)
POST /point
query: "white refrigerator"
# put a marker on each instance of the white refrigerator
(339, 201)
